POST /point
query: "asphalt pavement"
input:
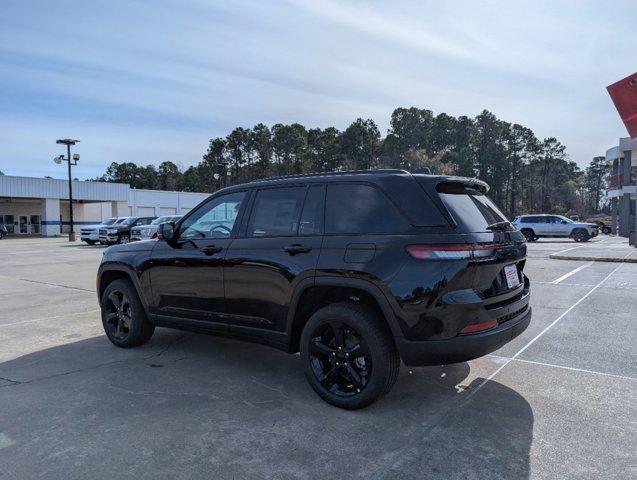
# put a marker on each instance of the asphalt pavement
(560, 401)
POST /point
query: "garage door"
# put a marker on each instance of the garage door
(167, 211)
(146, 211)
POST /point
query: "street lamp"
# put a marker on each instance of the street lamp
(71, 161)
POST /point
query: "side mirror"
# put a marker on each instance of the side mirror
(166, 231)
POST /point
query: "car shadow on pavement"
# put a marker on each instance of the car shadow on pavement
(198, 406)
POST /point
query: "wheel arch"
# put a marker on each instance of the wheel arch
(108, 273)
(313, 294)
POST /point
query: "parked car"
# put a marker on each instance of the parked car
(3, 230)
(603, 222)
(91, 233)
(536, 226)
(356, 270)
(146, 232)
(120, 232)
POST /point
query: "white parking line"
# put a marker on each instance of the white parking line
(583, 370)
(572, 272)
(533, 340)
(386, 467)
(580, 246)
(567, 250)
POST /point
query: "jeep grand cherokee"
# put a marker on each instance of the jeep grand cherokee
(356, 270)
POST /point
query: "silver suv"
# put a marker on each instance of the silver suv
(536, 226)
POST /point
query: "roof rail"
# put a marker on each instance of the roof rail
(377, 171)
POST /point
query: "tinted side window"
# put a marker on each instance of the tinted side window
(360, 209)
(312, 216)
(526, 220)
(213, 219)
(276, 212)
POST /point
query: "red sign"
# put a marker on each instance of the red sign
(624, 95)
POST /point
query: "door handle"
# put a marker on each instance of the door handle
(211, 249)
(296, 248)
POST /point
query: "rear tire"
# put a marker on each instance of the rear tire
(348, 355)
(529, 235)
(606, 230)
(90, 242)
(123, 317)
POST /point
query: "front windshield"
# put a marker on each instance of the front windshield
(119, 221)
(110, 221)
(568, 220)
(159, 220)
(128, 221)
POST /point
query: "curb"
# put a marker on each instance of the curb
(594, 259)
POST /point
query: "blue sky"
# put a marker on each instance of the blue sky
(153, 81)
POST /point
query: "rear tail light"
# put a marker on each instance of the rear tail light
(479, 327)
(451, 252)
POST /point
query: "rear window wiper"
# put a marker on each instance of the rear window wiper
(500, 226)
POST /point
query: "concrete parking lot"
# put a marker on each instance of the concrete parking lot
(560, 401)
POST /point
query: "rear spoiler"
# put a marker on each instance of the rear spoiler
(468, 182)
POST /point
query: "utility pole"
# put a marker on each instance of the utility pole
(68, 142)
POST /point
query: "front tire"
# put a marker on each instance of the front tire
(348, 355)
(123, 317)
(90, 242)
(581, 236)
(123, 239)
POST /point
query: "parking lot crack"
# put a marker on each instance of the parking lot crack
(167, 347)
(153, 393)
(11, 382)
(57, 285)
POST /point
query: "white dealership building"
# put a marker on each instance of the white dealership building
(40, 206)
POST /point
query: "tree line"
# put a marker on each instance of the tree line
(526, 174)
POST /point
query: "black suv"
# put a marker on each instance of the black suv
(356, 270)
(120, 232)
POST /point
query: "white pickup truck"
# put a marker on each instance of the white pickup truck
(91, 233)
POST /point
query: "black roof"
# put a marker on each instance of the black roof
(372, 176)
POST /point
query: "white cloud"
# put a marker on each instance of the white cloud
(152, 84)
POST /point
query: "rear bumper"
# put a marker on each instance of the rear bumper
(462, 347)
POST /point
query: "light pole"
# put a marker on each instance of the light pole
(68, 142)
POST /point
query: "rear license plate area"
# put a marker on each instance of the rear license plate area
(512, 276)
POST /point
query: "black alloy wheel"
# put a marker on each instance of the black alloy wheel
(124, 238)
(340, 359)
(348, 355)
(123, 316)
(581, 236)
(118, 315)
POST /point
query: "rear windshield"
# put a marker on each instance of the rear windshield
(472, 210)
